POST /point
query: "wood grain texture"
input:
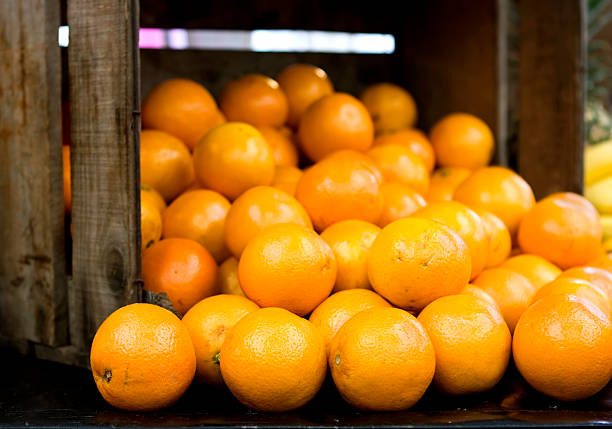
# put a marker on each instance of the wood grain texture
(104, 104)
(552, 94)
(32, 267)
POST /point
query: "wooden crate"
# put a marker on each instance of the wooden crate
(453, 55)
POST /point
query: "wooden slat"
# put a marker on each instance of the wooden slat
(32, 274)
(104, 104)
(552, 94)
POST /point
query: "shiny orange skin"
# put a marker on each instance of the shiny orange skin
(562, 346)
(578, 287)
(182, 269)
(150, 224)
(477, 292)
(142, 358)
(152, 196)
(597, 276)
(334, 122)
(431, 255)
(413, 139)
(391, 106)
(511, 291)
(199, 215)
(165, 163)
(344, 186)
(537, 269)
(228, 277)
(303, 84)
(444, 181)
(286, 178)
(256, 209)
(562, 231)
(283, 149)
(331, 314)
(232, 158)
(66, 178)
(500, 191)
(603, 261)
(467, 224)
(472, 343)
(399, 201)
(182, 108)
(351, 240)
(397, 163)
(288, 266)
(500, 242)
(255, 99)
(273, 360)
(208, 323)
(462, 140)
(382, 359)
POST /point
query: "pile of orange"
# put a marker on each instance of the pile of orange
(294, 230)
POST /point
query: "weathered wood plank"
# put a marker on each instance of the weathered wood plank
(32, 266)
(552, 91)
(104, 103)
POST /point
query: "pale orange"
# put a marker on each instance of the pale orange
(537, 269)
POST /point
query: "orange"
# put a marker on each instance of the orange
(344, 186)
(286, 178)
(511, 291)
(382, 359)
(537, 269)
(142, 358)
(256, 209)
(597, 276)
(201, 216)
(232, 158)
(500, 191)
(254, 99)
(180, 268)
(399, 201)
(566, 232)
(332, 313)
(477, 292)
(209, 322)
(150, 224)
(397, 163)
(273, 360)
(334, 122)
(498, 237)
(578, 287)
(472, 343)
(432, 256)
(66, 178)
(444, 181)
(391, 106)
(562, 346)
(303, 84)
(413, 139)
(607, 245)
(283, 149)
(165, 163)
(462, 140)
(351, 240)
(288, 266)
(182, 108)
(153, 197)
(228, 277)
(603, 261)
(467, 224)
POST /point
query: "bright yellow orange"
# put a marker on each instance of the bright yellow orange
(283, 149)
(597, 276)
(288, 266)
(431, 255)
(182, 108)
(444, 181)
(182, 269)
(165, 163)
(228, 277)
(150, 224)
(273, 360)
(286, 178)
(382, 359)
(303, 84)
(255, 99)
(472, 343)
(500, 242)
(578, 287)
(477, 292)
(351, 240)
(500, 191)
(413, 139)
(199, 215)
(208, 323)
(562, 346)
(399, 201)
(537, 269)
(399, 164)
(603, 261)
(66, 178)
(256, 209)
(153, 197)
(334, 122)
(391, 106)
(232, 158)
(462, 140)
(133, 354)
